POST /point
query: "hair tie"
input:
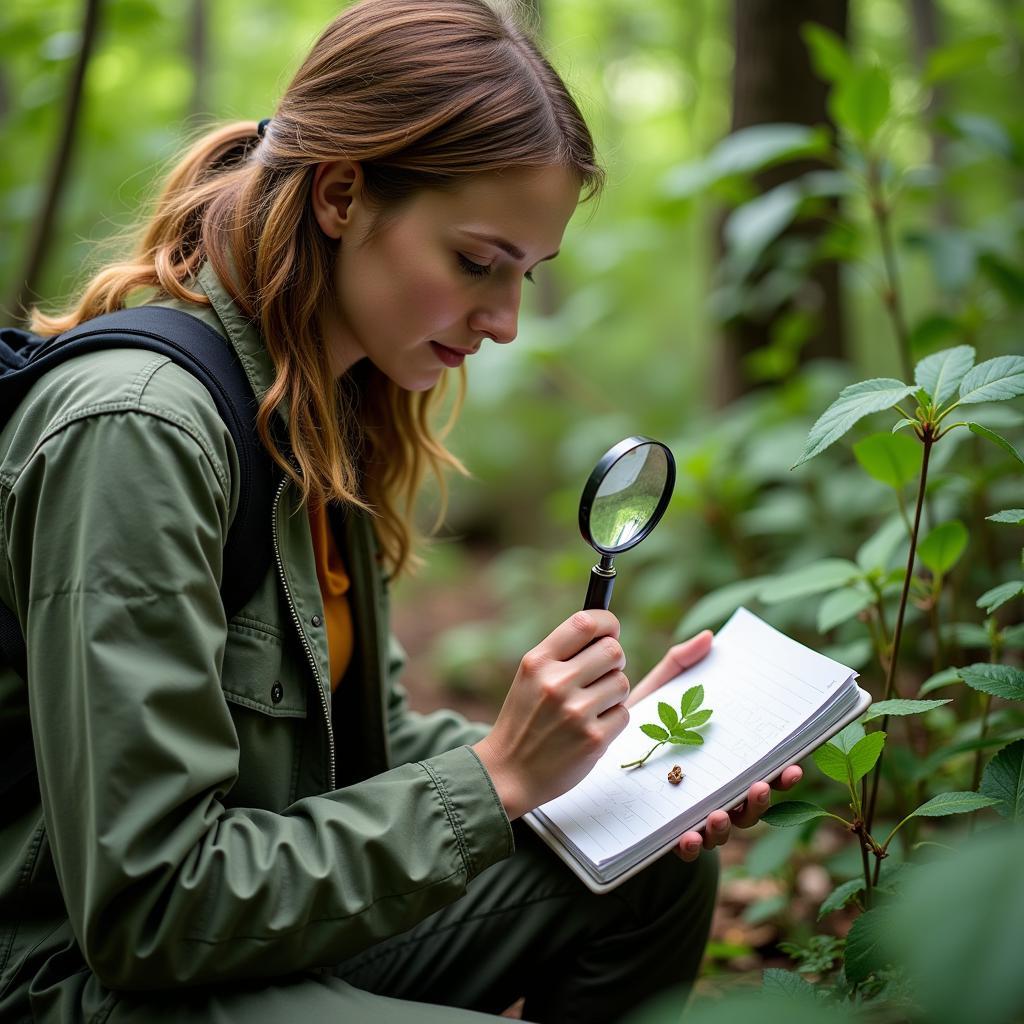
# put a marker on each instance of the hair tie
(261, 128)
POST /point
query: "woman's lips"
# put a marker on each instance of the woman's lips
(448, 356)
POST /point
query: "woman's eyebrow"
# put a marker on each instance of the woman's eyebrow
(513, 250)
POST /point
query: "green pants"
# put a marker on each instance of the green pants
(526, 927)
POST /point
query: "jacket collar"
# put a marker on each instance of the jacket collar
(243, 334)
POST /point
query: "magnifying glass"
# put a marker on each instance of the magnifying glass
(623, 500)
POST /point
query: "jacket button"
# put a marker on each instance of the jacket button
(316, 620)
(277, 692)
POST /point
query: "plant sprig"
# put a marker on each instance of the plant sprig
(678, 727)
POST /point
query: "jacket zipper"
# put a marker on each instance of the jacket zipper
(305, 642)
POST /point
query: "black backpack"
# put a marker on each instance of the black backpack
(198, 348)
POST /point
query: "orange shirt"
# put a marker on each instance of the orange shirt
(334, 583)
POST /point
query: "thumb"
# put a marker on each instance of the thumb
(676, 660)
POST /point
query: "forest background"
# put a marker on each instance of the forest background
(800, 195)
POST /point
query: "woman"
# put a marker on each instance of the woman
(242, 819)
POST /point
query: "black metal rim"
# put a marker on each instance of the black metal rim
(593, 483)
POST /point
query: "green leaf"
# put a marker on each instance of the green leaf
(816, 578)
(999, 680)
(946, 677)
(840, 606)
(940, 374)
(998, 596)
(994, 380)
(831, 761)
(860, 102)
(964, 55)
(792, 812)
(877, 551)
(686, 739)
(865, 753)
(953, 803)
(788, 983)
(1015, 516)
(840, 896)
(846, 739)
(1004, 781)
(853, 404)
(828, 53)
(991, 435)
(668, 715)
(943, 546)
(864, 954)
(900, 424)
(759, 146)
(713, 608)
(691, 700)
(698, 718)
(892, 459)
(901, 706)
(654, 731)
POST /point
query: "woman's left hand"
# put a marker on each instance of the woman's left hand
(718, 826)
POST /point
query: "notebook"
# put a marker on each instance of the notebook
(773, 701)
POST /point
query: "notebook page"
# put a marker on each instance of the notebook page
(762, 687)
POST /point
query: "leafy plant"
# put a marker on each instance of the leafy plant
(677, 727)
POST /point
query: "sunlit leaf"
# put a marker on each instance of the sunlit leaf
(994, 380)
(846, 739)
(697, 719)
(902, 424)
(691, 700)
(831, 761)
(853, 404)
(828, 53)
(865, 753)
(859, 102)
(1015, 516)
(668, 715)
(1004, 781)
(940, 374)
(943, 546)
(686, 739)
(964, 55)
(654, 731)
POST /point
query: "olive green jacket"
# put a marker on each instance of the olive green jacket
(205, 810)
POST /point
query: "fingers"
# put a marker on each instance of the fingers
(604, 693)
(568, 639)
(677, 659)
(757, 802)
(716, 832)
(789, 778)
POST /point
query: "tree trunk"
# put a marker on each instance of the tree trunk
(42, 233)
(773, 81)
(199, 58)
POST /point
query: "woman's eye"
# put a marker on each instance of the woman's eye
(472, 268)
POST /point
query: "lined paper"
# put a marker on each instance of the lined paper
(763, 687)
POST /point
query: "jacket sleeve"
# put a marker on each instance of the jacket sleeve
(414, 736)
(116, 527)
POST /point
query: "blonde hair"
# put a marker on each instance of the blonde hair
(423, 93)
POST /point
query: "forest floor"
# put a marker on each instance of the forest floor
(741, 944)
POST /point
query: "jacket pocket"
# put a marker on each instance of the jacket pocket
(266, 694)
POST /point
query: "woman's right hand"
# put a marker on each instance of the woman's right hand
(564, 708)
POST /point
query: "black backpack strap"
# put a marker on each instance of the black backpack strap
(201, 350)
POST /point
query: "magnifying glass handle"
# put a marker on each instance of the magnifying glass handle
(599, 593)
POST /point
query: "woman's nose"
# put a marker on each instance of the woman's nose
(500, 321)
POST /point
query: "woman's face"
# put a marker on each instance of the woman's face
(443, 273)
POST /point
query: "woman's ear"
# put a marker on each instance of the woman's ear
(337, 196)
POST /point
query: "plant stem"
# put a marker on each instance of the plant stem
(986, 703)
(630, 764)
(898, 633)
(868, 882)
(893, 292)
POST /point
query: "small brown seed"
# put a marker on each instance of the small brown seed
(675, 776)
